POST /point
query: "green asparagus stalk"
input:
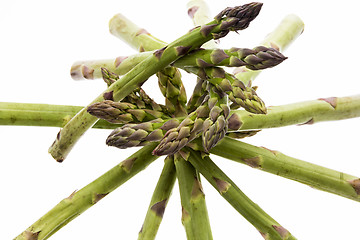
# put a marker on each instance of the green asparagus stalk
(81, 200)
(258, 58)
(194, 213)
(159, 201)
(266, 225)
(306, 112)
(233, 19)
(274, 162)
(172, 88)
(289, 29)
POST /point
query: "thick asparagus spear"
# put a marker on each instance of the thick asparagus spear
(159, 201)
(233, 19)
(81, 200)
(275, 162)
(267, 226)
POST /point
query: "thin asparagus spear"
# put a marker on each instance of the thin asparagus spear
(267, 226)
(81, 200)
(307, 112)
(159, 201)
(318, 177)
(224, 22)
(289, 29)
(194, 213)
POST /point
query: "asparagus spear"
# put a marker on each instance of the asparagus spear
(257, 58)
(306, 112)
(267, 226)
(215, 126)
(233, 19)
(123, 112)
(133, 135)
(172, 88)
(80, 201)
(194, 213)
(159, 201)
(279, 164)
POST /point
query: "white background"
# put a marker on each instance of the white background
(39, 40)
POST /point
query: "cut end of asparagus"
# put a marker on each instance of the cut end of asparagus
(238, 18)
(80, 71)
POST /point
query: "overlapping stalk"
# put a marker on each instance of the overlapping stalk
(236, 19)
(267, 226)
(140, 121)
